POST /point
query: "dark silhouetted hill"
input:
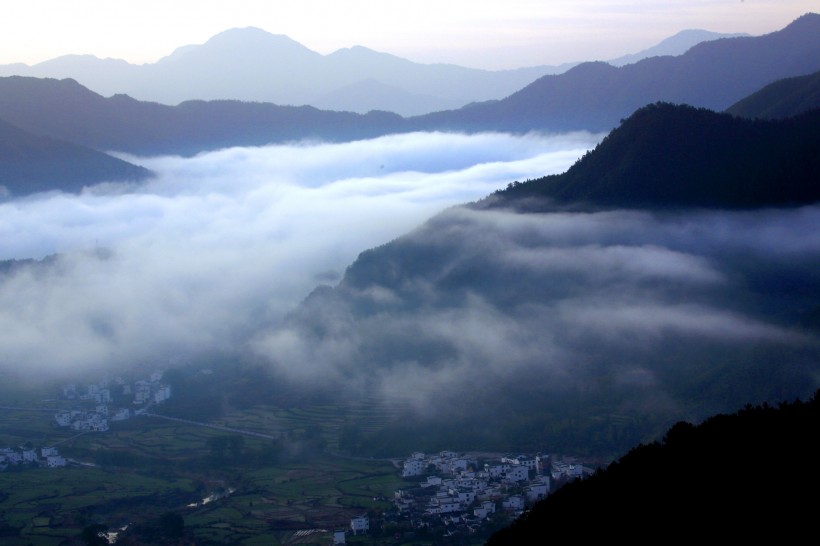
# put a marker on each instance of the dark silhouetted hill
(745, 477)
(781, 99)
(66, 110)
(668, 156)
(31, 164)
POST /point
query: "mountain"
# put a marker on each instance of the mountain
(588, 329)
(711, 479)
(674, 45)
(66, 110)
(595, 96)
(590, 96)
(31, 164)
(379, 96)
(780, 99)
(708, 159)
(249, 64)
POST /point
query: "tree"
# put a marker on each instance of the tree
(172, 525)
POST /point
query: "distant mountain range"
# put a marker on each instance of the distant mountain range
(250, 64)
(596, 96)
(591, 96)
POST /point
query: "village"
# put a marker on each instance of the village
(458, 494)
(98, 397)
(452, 494)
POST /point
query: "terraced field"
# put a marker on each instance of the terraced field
(148, 466)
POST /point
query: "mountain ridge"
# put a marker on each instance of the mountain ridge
(590, 96)
(32, 164)
(709, 159)
(188, 73)
(594, 96)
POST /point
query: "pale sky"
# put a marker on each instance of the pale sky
(479, 34)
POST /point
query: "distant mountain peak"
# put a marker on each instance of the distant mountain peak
(240, 41)
(241, 35)
(677, 44)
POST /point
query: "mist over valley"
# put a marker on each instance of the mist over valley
(244, 319)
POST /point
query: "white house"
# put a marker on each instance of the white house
(496, 471)
(514, 502)
(464, 496)
(444, 505)
(517, 474)
(121, 414)
(103, 396)
(536, 492)
(457, 465)
(54, 461)
(162, 394)
(486, 508)
(360, 524)
(412, 467)
(63, 418)
(432, 481)
(10, 456)
(30, 456)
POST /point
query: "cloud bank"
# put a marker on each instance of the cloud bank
(490, 304)
(224, 242)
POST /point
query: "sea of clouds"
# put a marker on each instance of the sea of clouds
(217, 244)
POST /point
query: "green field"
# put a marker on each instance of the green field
(275, 491)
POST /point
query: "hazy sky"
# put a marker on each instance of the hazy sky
(488, 35)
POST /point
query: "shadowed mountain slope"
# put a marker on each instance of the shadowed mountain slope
(66, 110)
(781, 99)
(31, 164)
(587, 328)
(669, 156)
(719, 479)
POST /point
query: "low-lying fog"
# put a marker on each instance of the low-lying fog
(224, 242)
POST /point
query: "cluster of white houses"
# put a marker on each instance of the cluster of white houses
(45, 456)
(140, 395)
(457, 493)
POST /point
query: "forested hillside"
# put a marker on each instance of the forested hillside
(668, 156)
(743, 477)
